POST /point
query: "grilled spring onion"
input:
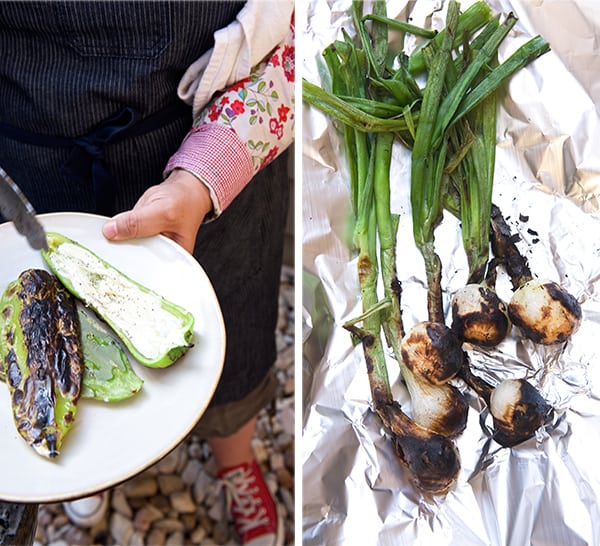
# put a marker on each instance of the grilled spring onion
(156, 331)
(432, 460)
(454, 148)
(518, 410)
(543, 310)
(41, 357)
(428, 453)
(422, 121)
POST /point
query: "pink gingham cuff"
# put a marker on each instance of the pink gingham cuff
(215, 154)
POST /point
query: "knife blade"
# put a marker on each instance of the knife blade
(16, 207)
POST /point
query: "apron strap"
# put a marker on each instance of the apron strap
(86, 159)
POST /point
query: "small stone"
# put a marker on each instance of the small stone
(137, 539)
(289, 295)
(100, 531)
(60, 520)
(140, 487)
(287, 274)
(287, 420)
(137, 502)
(168, 464)
(282, 318)
(146, 516)
(75, 535)
(217, 511)
(170, 483)
(259, 450)
(59, 542)
(119, 503)
(51, 533)
(206, 523)
(288, 501)
(276, 461)
(189, 521)
(285, 478)
(285, 359)
(210, 468)
(44, 517)
(191, 471)
(289, 387)
(150, 472)
(175, 539)
(161, 502)
(169, 525)
(280, 341)
(182, 461)
(290, 462)
(195, 450)
(121, 528)
(156, 537)
(40, 535)
(283, 441)
(182, 502)
(271, 481)
(198, 535)
(201, 487)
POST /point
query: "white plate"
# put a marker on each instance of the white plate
(110, 443)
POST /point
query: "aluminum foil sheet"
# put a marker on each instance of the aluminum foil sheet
(545, 491)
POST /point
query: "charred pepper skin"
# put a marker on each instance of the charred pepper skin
(107, 373)
(42, 358)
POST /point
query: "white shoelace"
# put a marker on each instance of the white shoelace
(243, 501)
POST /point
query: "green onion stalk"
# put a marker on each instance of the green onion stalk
(457, 142)
(427, 168)
(432, 459)
(450, 127)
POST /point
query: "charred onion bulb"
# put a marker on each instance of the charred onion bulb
(439, 408)
(479, 316)
(430, 356)
(544, 311)
(518, 410)
(432, 352)
(432, 459)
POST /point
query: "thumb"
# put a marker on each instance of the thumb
(132, 224)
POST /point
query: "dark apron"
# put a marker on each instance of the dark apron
(89, 117)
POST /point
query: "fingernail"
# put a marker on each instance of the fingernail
(110, 229)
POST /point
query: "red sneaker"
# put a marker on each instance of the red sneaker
(252, 508)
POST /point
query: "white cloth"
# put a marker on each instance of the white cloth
(258, 28)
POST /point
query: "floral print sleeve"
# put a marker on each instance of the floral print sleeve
(243, 129)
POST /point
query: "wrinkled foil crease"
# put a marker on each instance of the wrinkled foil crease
(542, 492)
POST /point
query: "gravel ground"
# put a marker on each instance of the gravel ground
(178, 501)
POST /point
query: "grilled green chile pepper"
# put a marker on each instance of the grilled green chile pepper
(41, 357)
(107, 372)
(157, 332)
(107, 375)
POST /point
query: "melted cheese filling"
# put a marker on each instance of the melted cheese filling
(139, 315)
